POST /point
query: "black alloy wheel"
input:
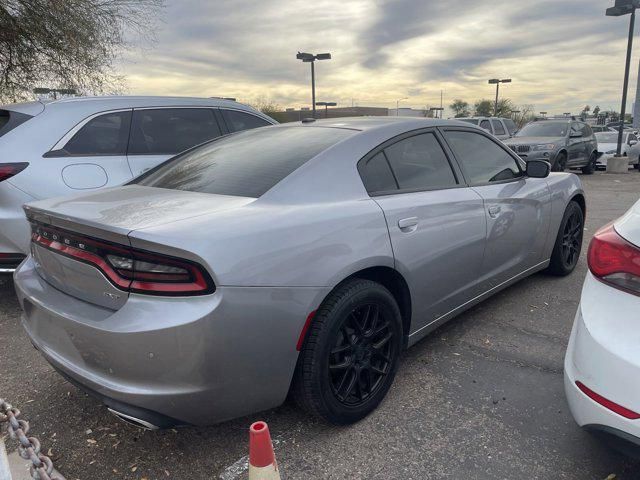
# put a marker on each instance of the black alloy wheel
(568, 245)
(360, 358)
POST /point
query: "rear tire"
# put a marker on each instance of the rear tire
(590, 167)
(560, 162)
(566, 250)
(351, 353)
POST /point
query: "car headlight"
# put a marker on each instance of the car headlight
(544, 146)
(610, 152)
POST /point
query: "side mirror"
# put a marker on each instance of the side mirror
(538, 169)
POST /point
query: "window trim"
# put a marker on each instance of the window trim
(519, 162)
(223, 131)
(457, 174)
(58, 151)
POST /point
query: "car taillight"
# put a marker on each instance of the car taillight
(8, 170)
(614, 261)
(128, 268)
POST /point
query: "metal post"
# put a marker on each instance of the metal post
(636, 110)
(313, 88)
(626, 81)
(495, 108)
(5, 470)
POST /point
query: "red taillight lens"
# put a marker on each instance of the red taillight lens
(8, 170)
(615, 261)
(127, 268)
(605, 402)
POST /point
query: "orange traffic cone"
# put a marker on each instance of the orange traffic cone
(262, 460)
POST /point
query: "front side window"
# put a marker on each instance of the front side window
(498, 129)
(419, 163)
(246, 164)
(103, 135)
(238, 121)
(167, 131)
(576, 129)
(483, 160)
(586, 130)
(485, 124)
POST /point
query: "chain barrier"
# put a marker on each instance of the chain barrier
(41, 467)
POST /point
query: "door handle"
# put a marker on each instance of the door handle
(408, 224)
(494, 210)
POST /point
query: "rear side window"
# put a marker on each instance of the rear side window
(482, 159)
(376, 174)
(10, 120)
(103, 135)
(419, 163)
(238, 121)
(511, 125)
(498, 129)
(246, 164)
(167, 131)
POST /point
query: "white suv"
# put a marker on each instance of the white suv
(86, 143)
(501, 128)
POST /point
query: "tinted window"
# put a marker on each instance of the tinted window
(485, 124)
(469, 120)
(166, 131)
(498, 129)
(246, 164)
(544, 129)
(632, 137)
(586, 130)
(576, 128)
(103, 135)
(10, 120)
(483, 160)
(376, 174)
(419, 163)
(237, 121)
(511, 125)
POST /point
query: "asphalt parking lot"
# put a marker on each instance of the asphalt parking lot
(481, 398)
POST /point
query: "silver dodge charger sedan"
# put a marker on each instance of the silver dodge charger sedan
(298, 258)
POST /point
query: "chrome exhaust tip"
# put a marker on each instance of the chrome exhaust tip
(136, 422)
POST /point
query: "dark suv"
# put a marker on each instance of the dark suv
(563, 143)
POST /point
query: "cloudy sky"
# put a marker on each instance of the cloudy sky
(561, 54)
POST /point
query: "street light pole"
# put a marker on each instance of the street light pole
(625, 84)
(623, 7)
(497, 82)
(311, 58)
(398, 105)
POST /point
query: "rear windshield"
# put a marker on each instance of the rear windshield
(10, 120)
(244, 164)
(470, 120)
(606, 137)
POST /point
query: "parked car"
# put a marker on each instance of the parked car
(301, 257)
(603, 361)
(563, 143)
(600, 128)
(501, 128)
(80, 144)
(608, 146)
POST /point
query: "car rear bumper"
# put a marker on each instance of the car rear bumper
(198, 360)
(14, 228)
(603, 355)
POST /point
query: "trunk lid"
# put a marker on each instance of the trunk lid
(628, 226)
(107, 215)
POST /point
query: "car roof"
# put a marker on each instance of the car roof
(370, 123)
(141, 100)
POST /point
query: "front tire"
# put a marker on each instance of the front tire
(566, 250)
(351, 354)
(560, 163)
(590, 167)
